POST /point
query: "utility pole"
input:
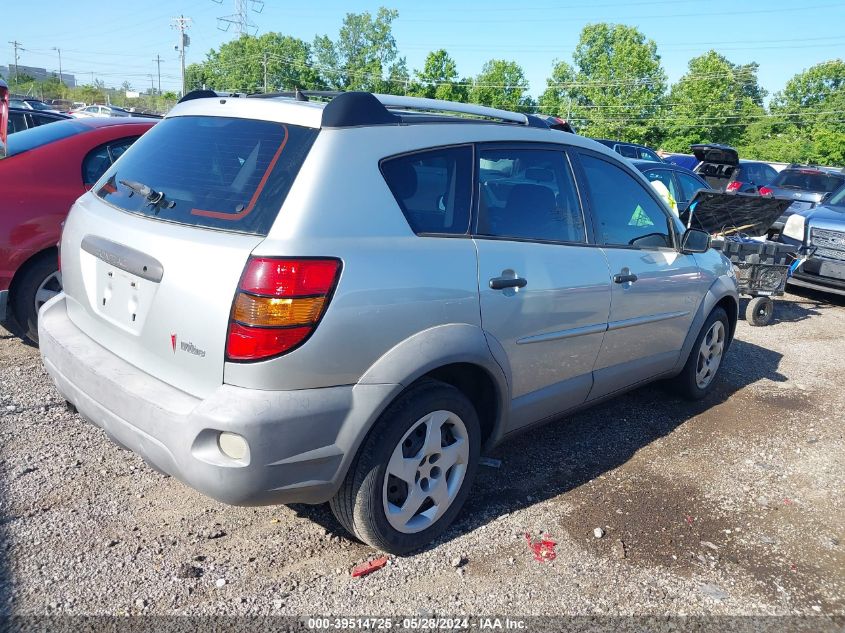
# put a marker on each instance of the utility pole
(157, 60)
(152, 85)
(16, 45)
(182, 24)
(61, 80)
(265, 72)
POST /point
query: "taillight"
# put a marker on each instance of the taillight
(278, 305)
(733, 187)
(765, 191)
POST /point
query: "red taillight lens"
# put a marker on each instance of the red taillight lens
(289, 277)
(733, 187)
(278, 305)
(765, 191)
(251, 343)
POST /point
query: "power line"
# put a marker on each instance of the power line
(240, 18)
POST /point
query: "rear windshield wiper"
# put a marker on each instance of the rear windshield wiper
(154, 198)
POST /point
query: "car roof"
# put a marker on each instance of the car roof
(610, 142)
(642, 163)
(59, 115)
(93, 122)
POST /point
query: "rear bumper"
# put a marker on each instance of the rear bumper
(4, 304)
(300, 442)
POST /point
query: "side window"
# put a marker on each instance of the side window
(529, 194)
(751, 174)
(769, 174)
(689, 185)
(99, 159)
(433, 188)
(17, 122)
(647, 154)
(625, 212)
(664, 176)
(628, 151)
(41, 119)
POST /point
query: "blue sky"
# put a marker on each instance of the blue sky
(119, 40)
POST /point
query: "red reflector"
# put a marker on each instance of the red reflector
(254, 343)
(765, 191)
(734, 186)
(290, 277)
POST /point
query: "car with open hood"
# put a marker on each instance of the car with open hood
(807, 186)
(822, 229)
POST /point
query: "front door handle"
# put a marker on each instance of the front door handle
(500, 283)
(624, 278)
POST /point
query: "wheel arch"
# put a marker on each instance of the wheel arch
(458, 355)
(50, 251)
(721, 294)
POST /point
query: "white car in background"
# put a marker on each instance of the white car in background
(99, 111)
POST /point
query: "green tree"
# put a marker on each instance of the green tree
(615, 87)
(713, 102)
(501, 84)
(364, 56)
(439, 79)
(239, 65)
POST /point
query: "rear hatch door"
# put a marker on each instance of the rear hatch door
(152, 256)
(716, 163)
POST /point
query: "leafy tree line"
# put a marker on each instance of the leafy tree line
(615, 86)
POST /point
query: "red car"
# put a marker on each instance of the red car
(45, 170)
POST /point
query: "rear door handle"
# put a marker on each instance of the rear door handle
(624, 279)
(500, 283)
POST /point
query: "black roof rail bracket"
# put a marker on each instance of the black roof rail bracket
(353, 109)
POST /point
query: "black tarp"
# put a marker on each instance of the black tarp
(733, 213)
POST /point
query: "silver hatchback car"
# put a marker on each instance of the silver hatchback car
(277, 300)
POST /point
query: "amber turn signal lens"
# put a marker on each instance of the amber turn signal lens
(270, 311)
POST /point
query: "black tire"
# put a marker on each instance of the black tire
(685, 384)
(359, 506)
(760, 311)
(23, 297)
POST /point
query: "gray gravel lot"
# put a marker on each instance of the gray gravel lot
(729, 506)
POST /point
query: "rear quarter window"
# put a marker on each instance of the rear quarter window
(433, 188)
(215, 172)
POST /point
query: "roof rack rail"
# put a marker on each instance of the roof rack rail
(351, 109)
(436, 105)
(299, 95)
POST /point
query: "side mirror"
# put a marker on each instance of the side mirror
(695, 241)
(4, 117)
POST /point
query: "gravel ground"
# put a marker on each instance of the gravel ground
(729, 506)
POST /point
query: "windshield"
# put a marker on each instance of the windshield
(215, 172)
(808, 180)
(38, 105)
(26, 140)
(838, 198)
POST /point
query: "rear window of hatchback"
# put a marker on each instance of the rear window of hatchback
(215, 172)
